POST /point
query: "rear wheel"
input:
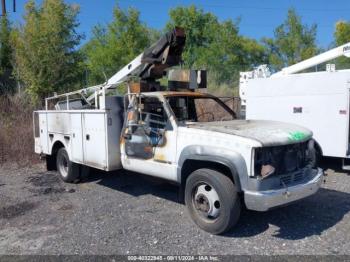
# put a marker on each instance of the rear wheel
(69, 171)
(212, 201)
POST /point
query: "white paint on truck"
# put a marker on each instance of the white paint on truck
(91, 137)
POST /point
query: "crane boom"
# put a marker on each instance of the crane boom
(339, 51)
(148, 66)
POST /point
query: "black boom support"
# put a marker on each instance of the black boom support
(165, 53)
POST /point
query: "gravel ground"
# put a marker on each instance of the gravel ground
(128, 213)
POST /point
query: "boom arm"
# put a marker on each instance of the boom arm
(150, 65)
(339, 51)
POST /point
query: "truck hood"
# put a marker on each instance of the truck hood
(268, 133)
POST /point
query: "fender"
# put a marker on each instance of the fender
(233, 160)
(64, 140)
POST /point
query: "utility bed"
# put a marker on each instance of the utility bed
(91, 136)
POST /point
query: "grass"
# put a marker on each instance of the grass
(16, 130)
(222, 90)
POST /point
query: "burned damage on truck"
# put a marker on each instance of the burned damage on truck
(283, 166)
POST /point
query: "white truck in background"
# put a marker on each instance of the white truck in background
(319, 101)
(187, 137)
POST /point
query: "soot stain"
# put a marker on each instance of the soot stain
(12, 211)
(46, 183)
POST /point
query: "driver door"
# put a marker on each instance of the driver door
(149, 138)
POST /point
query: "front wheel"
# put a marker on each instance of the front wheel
(69, 171)
(212, 201)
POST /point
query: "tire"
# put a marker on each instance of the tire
(69, 171)
(212, 201)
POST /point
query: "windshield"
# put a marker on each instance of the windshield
(199, 109)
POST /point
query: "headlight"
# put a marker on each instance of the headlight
(261, 166)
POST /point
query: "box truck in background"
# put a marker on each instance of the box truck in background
(319, 101)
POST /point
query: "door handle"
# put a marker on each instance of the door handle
(87, 137)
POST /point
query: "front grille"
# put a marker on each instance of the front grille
(291, 178)
(285, 159)
(298, 177)
(286, 180)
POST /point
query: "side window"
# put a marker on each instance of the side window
(153, 113)
(183, 108)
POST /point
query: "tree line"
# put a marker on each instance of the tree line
(44, 54)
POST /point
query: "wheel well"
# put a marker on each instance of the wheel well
(191, 165)
(318, 148)
(51, 159)
(56, 147)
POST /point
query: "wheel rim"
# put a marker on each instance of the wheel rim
(206, 201)
(63, 165)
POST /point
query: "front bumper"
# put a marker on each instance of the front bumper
(265, 200)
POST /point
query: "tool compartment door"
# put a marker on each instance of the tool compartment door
(42, 139)
(77, 137)
(94, 139)
(43, 132)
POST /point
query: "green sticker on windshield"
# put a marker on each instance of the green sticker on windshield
(296, 136)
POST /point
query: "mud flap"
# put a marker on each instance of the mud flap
(50, 163)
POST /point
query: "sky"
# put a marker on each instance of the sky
(258, 18)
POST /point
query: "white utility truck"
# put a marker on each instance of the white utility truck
(319, 101)
(187, 137)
